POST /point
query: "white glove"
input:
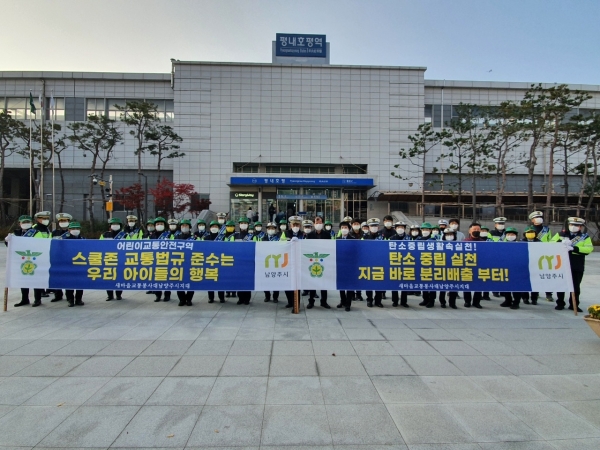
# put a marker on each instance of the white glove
(566, 241)
(570, 248)
(294, 239)
(8, 237)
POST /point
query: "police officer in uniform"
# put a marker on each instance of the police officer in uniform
(161, 232)
(270, 236)
(474, 236)
(115, 232)
(346, 297)
(173, 228)
(244, 235)
(133, 229)
(579, 245)
(499, 233)
(214, 233)
(61, 232)
(318, 233)
(365, 228)
(40, 231)
(449, 235)
(511, 299)
(74, 297)
(374, 234)
(293, 234)
(25, 224)
(544, 235)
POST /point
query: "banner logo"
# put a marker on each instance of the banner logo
(28, 266)
(548, 260)
(316, 269)
(276, 259)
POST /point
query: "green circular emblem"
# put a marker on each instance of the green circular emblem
(28, 267)
(316, 270)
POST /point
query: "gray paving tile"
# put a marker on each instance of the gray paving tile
(310, 425)
(5, 409)
(477, 365)
(522, 365)
(210, 348)
(294, 391)
(553, 421)
(570, 364)
(427, 423)
(475, 417)
(362, 424)
(589, 410)
(364, 334)
(221, 426)
(435, 334)
(444, 447)
(219, 334)
(198, 366)
(378, 348)
(245, 366)
(327, 348)
(349, 390)
(413, 348)
(251, 348)
(68, 391)
(101, 366)
(238, 391)
(400, 334)
(291, 335)
(385, 365)
(293, 366)
(563, 388)
(182, 391)
(124, 348)
(392, 324)
(40, 347)
(340, 366)
(456, 389)
(82, 348)
(15, 391)
(509, 389)
(493, 348)
(167, 348)
(255, 334)
(16, 428)
(149, 366)
(8, 345)
(432, 365)
(451, 348)
(291, 348)
(576, 444)
(419, 323)
(178, 333)
(52, 366)
(324, 334)
(10, 365)
(406, 389)
(527, 445)
(159, 426)
(94, 426)
(121, 391)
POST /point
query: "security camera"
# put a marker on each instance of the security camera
(95, 180)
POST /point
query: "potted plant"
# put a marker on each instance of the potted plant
(593, 319)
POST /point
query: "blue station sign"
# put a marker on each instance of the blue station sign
(312, 182)
(301, 45)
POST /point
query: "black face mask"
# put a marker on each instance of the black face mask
(476, 233)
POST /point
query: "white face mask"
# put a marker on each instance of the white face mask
(500, 227)
(131, 224)
(345, 231)
(538, 221)
(319, 226)
(63, 224)
(160, 228)
(221, 221)
(25, 226)
(150, 227)
(356, 227)
(75, 232)
(307, 230)
(400, 231)
(365, 230)
(45, 222)
(258, 229)
(172, 227)
(271, 231)
(283, 227)
(449, 237)
(201, 228)
(414, 233)
(115, 227)
(214, 230)
(373, 229)
(573, 228)
(483, 234)
(511, 237)
(185, 230)
(425, 233)
(454, 226)
(295, 229)
(435, 233)
(243, 226)
(387, 224)
(328, 227)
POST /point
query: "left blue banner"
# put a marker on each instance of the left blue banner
(152, 265)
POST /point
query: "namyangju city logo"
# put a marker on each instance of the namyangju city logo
(28, 266)
(316, 269)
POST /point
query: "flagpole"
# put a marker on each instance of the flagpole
(30, 166)
(42, 95)
(52, 115)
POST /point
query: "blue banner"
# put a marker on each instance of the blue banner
(301, 45)
(152, 265)
(433, 266)
(313, 182)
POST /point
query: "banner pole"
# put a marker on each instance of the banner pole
(5, 299)
(573, 302)
(296, 309)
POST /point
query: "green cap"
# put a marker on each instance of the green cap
(185, 222)
(74, 225)
(150, 220)
(25, 219)
(283, 222)
(426, 226)
(511, 230)
(200, 221)
(243, 220)
(214, 222)
(115, 220)
(230, 223)
(258, 223)
(160, 219)
(328, 222)
(483, 227)
(529, 228)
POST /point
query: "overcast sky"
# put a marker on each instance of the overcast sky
(502, 40)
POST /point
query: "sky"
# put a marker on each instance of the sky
(555, 41)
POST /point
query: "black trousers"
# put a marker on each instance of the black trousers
(402, 295)
(452, 296)
(37, 294)
(159, 294)
(475, 296)
(220, 294)
(244, 296)
(73, 295)
(111, 293)
(275, 295)
(312, 294)
(185, 296)
(577, 277)
(346, 298)
(289, 295)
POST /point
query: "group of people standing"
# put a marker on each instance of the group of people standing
(573, 236)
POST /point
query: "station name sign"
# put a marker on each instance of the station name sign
(301, 45)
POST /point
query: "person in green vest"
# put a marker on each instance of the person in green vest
(40, 231)
(74, 297)
(116, 232)
(133, 229)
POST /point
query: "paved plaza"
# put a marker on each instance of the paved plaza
(139, 374)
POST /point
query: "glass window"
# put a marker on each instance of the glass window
(437, 116)
(113, 112)
(245, 168)
(18, 108)
(428, 113)
(58, 111)
(355, 169)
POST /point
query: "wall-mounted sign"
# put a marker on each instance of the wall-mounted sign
(303, 45)
(304, 181)
(244, 195)
(301, 197)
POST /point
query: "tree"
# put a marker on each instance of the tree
(97, 136)
(164, 144)
(424, 140)
(588, 133)
(131, 197)
(141, 116)
(9, 130)
(172, 199)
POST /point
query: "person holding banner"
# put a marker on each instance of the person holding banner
(173, 228)
(544, 234)
(282, 230)
(346, 297)
(25, 224)
(149, 228)
(244, 235)
(270, 236)
(162, 233)
(449, 235)
(74, 297)
(61, 232)
(329, 226)
(579, 245)
(201, 232)
(511, 299)
(307, 227)
(318, 233)
(214, 233)
(258, 233)
(474, 236)
(428, 296)
(374, 234)
(498, 233)
(115, 232)
(133, 229)
(185, 297)
(40, 231)
(294, 234)
(455, 225)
